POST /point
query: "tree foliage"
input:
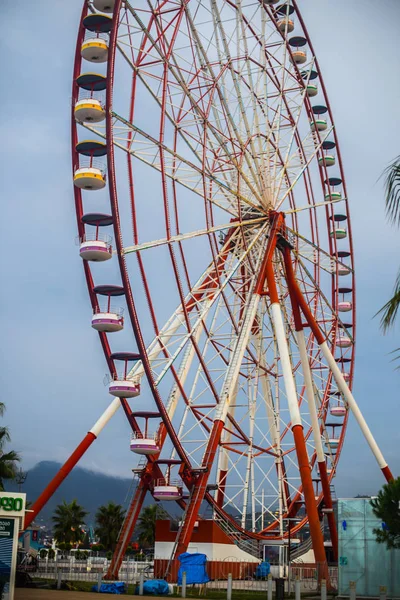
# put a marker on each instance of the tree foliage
(8, 460)
(386, 506)
(68, 520)
(390, 310)
(109, 520)
(147, 524)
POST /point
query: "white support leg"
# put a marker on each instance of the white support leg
(310, 395)
(344, 389)
(288, 378)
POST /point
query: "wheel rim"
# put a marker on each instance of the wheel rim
(186, 157)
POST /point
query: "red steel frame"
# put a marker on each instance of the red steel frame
(166, 428)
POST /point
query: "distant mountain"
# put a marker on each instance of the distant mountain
(90, 488)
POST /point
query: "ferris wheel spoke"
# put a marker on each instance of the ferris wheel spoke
(291, 211)
(230, 124)
(186, 236)
(147, 149)
(186, 135)
(174, 336)
(313, 253)
(215, 130)
(299, 162)
(226, 55)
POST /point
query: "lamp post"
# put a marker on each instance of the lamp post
(289, 529)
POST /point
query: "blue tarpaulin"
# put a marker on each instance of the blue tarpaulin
(117, 587)
(195, 567)
(263, 569)
(156, 587)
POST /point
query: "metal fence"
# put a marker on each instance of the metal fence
(232, 581)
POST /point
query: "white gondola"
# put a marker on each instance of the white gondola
(124, 388)
(89, 110)
(108, 321)
(146, 446)
(343, 270)
(299, 57)
(339, 233)
(327, 160)
(95, 250)
(89, 178)
(344, 306)
(338, 411)
(105, 6)
(95, 49)
(312, 90)
(343, 341)
(318, 125)
(164, 491)
(333, 197)
(333, 442)
(285, 25)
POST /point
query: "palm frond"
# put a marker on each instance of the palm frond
(4, 436)
(396, 357)
(390, 309)
(392, 191)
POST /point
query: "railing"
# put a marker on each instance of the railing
(304, 546)
(91, 35)
(163, 482)
(109, 309)
(120, 376)
(137, 435)
(92, 95)
(88, 162)
(246, 544)
(91, 237)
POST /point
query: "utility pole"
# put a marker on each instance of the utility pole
(20, 478)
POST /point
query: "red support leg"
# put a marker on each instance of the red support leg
(320, 456)
(126, 532)
(199, 490)
(59, 478)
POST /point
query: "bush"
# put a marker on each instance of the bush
(85, 555)
(98, 547)
(43, 553)
(140, 556)
(78, 555)
(109, 555)
(51, 554)
(64, 546)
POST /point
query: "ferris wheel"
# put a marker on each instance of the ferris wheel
(212, 209)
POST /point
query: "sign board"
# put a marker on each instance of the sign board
(12, 504)
(9, 530)
(12, 515)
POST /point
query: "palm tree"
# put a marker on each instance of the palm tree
(147, 524)
(68, 520)
(392, 201)
(109, 520)
(8, 460)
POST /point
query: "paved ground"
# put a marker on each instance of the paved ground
(32, 594)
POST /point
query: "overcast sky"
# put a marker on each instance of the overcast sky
(52, 363)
